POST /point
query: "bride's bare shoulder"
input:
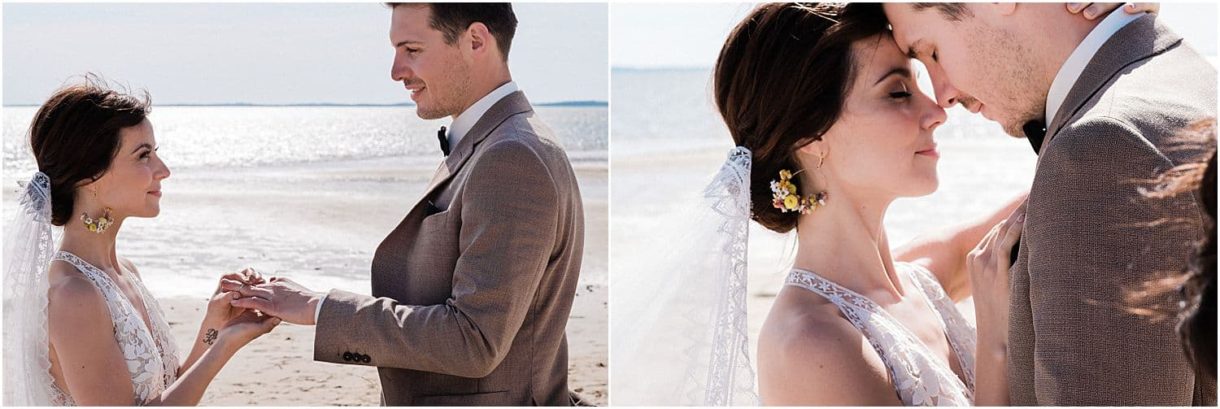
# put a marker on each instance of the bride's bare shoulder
(71, 294)
(809, 354)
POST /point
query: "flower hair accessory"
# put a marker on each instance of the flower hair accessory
(787, 198)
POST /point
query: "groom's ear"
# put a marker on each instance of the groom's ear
(480, 38)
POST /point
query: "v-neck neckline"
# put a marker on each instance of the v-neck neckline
(145, 318)
(872, 306)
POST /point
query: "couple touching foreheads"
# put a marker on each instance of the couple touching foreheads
(830, 128)
(471, 292)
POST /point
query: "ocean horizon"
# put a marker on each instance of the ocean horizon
(238, 136)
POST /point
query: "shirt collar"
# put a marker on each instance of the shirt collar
(466, 120)
(1079, 59)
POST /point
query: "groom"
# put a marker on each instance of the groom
(472, 291)
(1100, 102)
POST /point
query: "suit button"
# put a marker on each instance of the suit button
(366, 359)
(347, 356)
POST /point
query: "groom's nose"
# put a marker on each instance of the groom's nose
(946, 94)
(399, 70)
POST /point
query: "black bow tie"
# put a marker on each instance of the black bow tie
(444, 141)
(1035, 132)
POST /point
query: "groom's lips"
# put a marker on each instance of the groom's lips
(415, 91)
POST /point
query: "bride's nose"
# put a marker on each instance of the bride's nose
(933, 114)
(162, 171)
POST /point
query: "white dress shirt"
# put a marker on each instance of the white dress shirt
(460, 126)
(466, 120)
(1075, 64)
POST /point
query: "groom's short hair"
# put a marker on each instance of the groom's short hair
(454, 18)
(950, 11)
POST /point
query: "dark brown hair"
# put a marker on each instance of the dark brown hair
(950, 11)
(1197, 316)
(75, 137)
(454, 18)
(780, 83)
(1198, 325)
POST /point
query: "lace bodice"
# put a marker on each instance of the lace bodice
(152, 358)
(920, 378)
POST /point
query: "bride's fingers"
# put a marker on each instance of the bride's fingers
(270, 324)
(1095, 10)
(976, 259)
(1134, 8)
(1009, 239)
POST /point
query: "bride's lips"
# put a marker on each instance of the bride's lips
(930, 152)
(156, 193)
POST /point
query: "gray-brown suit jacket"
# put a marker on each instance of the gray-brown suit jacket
(1092, 241)
(472, 290)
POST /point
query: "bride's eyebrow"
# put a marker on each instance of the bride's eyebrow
(903, 71)
(141, 146)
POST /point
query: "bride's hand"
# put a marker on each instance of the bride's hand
(989, 268)
(1093, 11)
(245, 327)
(220, 308)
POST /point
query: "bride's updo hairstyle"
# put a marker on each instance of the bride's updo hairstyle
(75, 136)
(780, 83)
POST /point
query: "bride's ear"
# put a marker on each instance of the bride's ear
(815, 149)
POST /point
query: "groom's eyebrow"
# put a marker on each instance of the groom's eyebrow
(911, 53)
(896, 71)
(405, 42)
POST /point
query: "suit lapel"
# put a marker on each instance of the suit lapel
(512, 104)
(1139, 40)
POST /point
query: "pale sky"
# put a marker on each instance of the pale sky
(274, 53)
(690, 35)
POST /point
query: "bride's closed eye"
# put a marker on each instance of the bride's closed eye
(902, 94)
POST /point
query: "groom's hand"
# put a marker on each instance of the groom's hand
(280, 297)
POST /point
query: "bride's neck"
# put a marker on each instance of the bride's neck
(845, 242)
(95, 248)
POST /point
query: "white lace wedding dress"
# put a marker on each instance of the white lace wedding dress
(920, 378)
(152, 358)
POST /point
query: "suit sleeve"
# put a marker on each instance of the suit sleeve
(509, 219)
(1095, 245)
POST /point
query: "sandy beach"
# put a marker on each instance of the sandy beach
(318, 224)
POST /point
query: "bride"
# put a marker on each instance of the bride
(80, 327)
(830, 129)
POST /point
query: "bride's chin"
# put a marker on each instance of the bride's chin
(923, 187)
(151, 212)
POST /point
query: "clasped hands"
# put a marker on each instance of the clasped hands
(276, 297)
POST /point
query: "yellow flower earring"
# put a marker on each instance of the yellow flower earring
(786, 197)
(100, 225)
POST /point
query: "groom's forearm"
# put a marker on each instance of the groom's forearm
(362, 330)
